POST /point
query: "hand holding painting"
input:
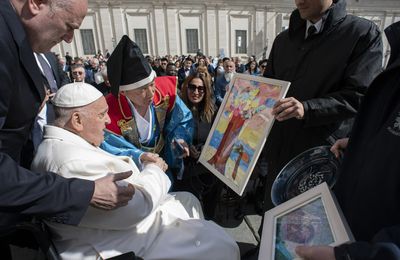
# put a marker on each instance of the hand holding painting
(235, 140)
(307, 226)
(316, 252)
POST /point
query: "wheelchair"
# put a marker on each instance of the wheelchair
(35, 235)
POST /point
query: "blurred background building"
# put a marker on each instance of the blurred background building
(216, 28)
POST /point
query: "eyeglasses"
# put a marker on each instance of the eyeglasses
(263, 66)
(193, 88)
(77, 73)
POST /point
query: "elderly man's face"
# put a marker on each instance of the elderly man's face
(78, 74)
(52, 24)
(312, 9)
(229, 66)
(95, 119)
(141, 97)
(94, 63)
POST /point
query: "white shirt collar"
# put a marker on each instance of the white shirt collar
(38, 62)
(144, 124)
(318, 25)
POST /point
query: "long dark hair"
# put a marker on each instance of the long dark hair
(206, 108)
(255, 69)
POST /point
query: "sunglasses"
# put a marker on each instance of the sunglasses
(77, 73)
(263, 66)
(193, 88)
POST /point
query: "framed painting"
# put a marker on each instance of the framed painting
(241, 128)
(311, 218)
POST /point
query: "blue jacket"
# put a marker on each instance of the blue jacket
(220, 89)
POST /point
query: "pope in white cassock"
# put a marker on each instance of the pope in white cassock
(155, 224)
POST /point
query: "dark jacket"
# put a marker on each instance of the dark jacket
(160, 72)
(197, 179)
(60, 76)
(182, 75)
(329, 74)
(24, 193)
(220, 89)
(368, 189)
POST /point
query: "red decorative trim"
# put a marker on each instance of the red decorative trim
(119, 109)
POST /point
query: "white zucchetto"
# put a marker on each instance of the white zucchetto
(76, 94)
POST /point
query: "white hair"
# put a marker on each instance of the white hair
(64, 114)
(60, 4)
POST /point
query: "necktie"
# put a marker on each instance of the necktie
(48, 73)
(311, 31)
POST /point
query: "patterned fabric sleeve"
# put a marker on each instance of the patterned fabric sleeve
(117, 145)
(179, 125)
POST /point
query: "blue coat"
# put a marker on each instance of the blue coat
(171, 120)
(220, 89)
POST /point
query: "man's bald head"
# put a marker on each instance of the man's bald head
(48, 22)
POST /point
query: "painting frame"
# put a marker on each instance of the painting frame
(280, 237)
(235, 142)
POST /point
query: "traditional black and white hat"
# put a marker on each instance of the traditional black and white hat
(127, 68)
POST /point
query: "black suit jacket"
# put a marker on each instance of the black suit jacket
(60, 76)
(182, 75)
(22, 192)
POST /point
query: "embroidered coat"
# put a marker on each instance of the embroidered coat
(171, 120)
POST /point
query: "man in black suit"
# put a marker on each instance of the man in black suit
(68, 59)
(184, 72)
(368, 186)
(54, 77)
(27, 27)
(60, 76)
(162, 70)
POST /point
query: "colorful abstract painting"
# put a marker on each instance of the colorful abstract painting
(241, 128)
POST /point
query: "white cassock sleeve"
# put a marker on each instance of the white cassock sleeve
(151, 189)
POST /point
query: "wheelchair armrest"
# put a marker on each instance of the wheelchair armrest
(42, 236)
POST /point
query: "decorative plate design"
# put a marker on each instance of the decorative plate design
(304, 172)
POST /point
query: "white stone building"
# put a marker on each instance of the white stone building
(231, 28)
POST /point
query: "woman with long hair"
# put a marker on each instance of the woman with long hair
(252, 68)
(203, 71)
(197, 94)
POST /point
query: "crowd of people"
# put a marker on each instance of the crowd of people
(215, 75)
(104, 149)
(93, 69)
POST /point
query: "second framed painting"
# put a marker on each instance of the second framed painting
(312, 218)
(241, 128)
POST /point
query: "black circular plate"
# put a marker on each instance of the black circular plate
(305, 171)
